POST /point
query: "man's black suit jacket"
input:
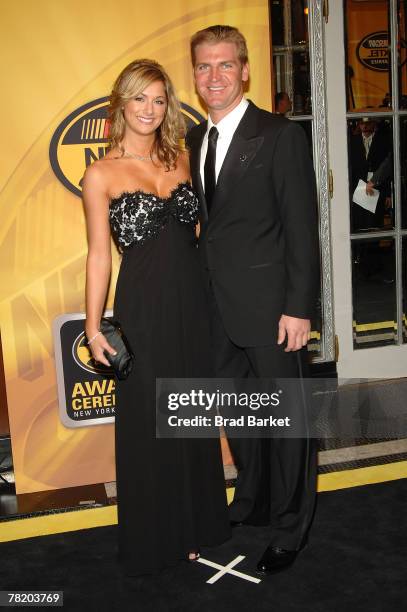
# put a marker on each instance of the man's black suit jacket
(260, 240)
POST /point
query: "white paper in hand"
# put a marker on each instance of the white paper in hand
(360, 197)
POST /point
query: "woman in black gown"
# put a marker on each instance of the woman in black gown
(171, 492)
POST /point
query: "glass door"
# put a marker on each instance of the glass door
(367, 127)
(298, 69)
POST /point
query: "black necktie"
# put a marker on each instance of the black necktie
(209, 168)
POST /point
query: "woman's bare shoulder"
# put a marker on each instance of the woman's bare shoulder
(99, 172)
(95, 174)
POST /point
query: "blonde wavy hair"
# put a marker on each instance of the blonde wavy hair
(131, 82)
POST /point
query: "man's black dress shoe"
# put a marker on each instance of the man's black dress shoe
(276, 559)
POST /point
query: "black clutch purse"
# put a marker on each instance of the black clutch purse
(122, 362)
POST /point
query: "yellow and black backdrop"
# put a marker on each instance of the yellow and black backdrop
(60, 58)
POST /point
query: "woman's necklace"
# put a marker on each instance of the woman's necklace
(136, 156)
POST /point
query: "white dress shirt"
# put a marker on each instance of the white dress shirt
(226, 128)
(367, 141)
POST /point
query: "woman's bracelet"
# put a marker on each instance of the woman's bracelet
(93, 337)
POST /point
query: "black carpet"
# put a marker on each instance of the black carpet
(355, 561)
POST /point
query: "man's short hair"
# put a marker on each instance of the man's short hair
(220, 33)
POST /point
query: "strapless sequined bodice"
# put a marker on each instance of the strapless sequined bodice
(138, 216)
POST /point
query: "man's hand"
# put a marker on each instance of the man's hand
(370, 188)
(297, 331)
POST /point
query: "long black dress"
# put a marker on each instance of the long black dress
(171, 492)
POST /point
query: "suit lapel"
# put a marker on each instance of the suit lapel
(242, 150)
(195, 163)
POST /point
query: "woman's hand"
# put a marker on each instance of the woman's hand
(97, 348)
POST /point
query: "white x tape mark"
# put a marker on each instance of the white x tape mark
(227, 569)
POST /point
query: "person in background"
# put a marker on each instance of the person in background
(370, 160)
(282, 103)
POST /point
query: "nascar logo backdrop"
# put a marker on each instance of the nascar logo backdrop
(60, 58)
(368, 54)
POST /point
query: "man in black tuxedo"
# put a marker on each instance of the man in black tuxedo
(370, 159)
(258, 243)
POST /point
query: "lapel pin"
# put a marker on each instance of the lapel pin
(243, 157)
